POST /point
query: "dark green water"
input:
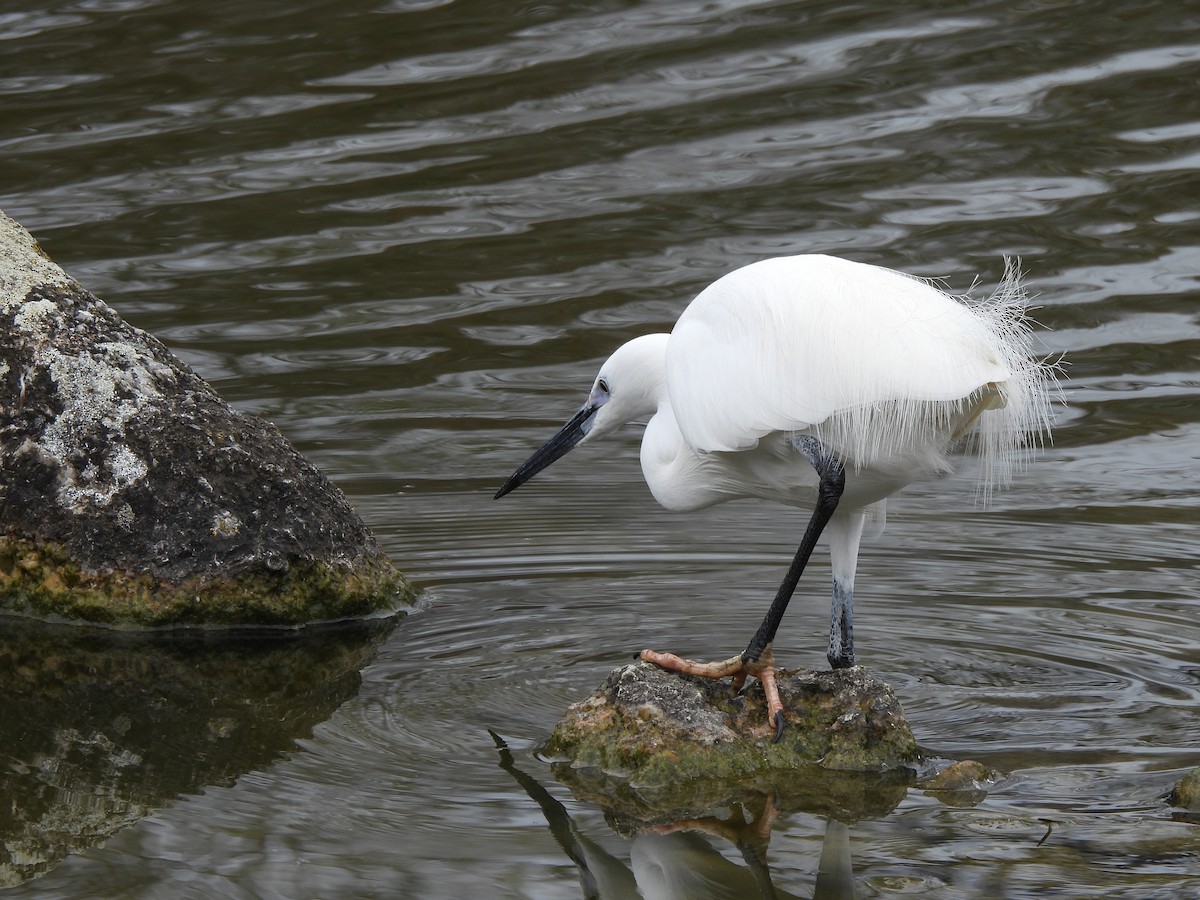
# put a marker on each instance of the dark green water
(408, 233)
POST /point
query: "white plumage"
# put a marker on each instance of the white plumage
(799, 376)
(787, 344)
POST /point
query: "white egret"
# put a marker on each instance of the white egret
(823, 383)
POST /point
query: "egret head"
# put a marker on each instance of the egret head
(630, 385)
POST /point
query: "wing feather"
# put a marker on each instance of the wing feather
(875, 357)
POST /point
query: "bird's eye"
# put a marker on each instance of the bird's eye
(603, 385)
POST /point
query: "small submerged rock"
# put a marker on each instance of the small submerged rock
(964, 775)
(962, 783)
(1187, 793)
(654, 727)
(131, 494)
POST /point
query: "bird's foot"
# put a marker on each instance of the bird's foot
(737, 668)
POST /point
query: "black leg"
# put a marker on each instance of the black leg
(757, 660)
(829, 492)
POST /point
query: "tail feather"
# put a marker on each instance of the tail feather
(1007, 433)
(1003, 421)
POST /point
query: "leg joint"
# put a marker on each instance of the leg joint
(829, 469)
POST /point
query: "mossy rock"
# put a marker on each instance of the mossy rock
(653, 727)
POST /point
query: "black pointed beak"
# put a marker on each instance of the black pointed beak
(557, 447)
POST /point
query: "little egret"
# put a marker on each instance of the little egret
(822, 383)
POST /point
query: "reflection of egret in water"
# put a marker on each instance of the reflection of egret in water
(684, 864)
(678, 862)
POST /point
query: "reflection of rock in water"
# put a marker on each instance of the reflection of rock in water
(845, 796)
(100, 729)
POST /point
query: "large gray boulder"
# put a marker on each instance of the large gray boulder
(131, 494)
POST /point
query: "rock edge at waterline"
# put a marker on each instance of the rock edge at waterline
(656, 727)
(131, 494)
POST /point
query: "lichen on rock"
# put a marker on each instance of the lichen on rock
(130, 493)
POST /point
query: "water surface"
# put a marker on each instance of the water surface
(409, 232)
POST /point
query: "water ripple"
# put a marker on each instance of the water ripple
(409, 232)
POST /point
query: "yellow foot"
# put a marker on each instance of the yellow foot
(736, 668)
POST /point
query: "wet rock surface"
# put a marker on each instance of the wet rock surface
(130, 493)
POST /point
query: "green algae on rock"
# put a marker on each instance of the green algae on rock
(653, 727)
(131, 494)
